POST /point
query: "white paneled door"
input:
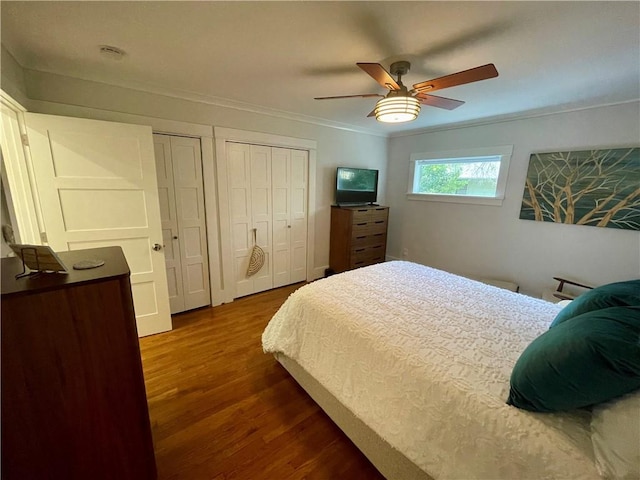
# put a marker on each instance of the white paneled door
(289, 193)
(97, 187)
(249, 177)
(181, 194)
(268, 194)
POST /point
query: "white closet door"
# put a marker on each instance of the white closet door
(239, 184)
(168, 217)
(192, 236)
(281, 194)
(268, 190)
(298, 236)
(97, 186)
(261, 215)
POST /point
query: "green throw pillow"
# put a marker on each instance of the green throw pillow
(585, 360)
(619, 294)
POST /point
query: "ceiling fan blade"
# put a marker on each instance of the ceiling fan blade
(372, 113)
(467, 76)
(364, 95)
(440, 102)
(380, 75)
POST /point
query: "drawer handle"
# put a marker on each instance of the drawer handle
(360, 250)
(379, 221)
(360, 224)
(360, 238)
(378, 234)
(359, 263)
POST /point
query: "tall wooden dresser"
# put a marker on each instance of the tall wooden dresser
(73, 394)
(358, 236)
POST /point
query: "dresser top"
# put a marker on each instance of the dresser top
(115, 265)
(360, 207)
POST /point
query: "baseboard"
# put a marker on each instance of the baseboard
(318, 272)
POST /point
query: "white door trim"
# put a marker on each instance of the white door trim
(224, 135)
(18, 172)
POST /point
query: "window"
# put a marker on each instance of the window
(466, 176)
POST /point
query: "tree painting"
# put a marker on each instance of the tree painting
(600, 188)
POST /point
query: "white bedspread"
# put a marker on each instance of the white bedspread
(424, 357)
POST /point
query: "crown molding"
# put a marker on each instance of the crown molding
(219, 102)
(272, 112)
(503, 119)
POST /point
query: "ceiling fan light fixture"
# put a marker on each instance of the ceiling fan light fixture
(397, 109)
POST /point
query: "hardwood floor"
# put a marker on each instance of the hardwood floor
(221, 409)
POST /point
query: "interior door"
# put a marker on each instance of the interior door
(290, 180)
(249, 182)
(281, 194)
(299, 173)
(186, 238)
(169, 221)
(97, 186)
(239, 180)
(261, 215)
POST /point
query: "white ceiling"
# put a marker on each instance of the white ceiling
(551, 56)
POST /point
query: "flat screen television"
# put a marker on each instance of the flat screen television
(356, 186)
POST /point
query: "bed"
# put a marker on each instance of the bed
(413, 363)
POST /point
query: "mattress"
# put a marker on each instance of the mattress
(423, 358)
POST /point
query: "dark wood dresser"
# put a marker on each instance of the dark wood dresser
(73, 394)
(358, 236)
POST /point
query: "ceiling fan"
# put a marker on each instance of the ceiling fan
(402, 104)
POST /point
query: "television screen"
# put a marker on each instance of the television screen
(356, 185)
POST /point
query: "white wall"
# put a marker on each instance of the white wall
(60, 95)
(490, 241)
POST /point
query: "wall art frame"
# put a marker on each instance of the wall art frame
(598, 188)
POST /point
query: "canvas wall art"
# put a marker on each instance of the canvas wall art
(600, 188)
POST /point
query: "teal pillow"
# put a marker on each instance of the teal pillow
(585, 360)
(619, 294)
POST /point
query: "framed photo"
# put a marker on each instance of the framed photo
(40, 258)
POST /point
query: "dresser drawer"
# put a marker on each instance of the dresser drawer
(368, 228)
(364, 240)
(370, 258)
(378, 214)
(364, 253)
(360, 215)
(369, 215)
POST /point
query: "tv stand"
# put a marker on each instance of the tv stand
(358, 236)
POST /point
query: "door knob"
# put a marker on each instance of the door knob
(157, 247)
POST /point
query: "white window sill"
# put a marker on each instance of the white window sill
(428, 197)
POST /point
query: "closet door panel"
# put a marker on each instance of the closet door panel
(189, 192)
(261, 212)
(239, 185)
(280, 171)
(298, 235)
(164, 172)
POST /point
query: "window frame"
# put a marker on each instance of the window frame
(502, 151)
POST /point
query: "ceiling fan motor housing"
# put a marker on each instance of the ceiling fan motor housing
(400, 68)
